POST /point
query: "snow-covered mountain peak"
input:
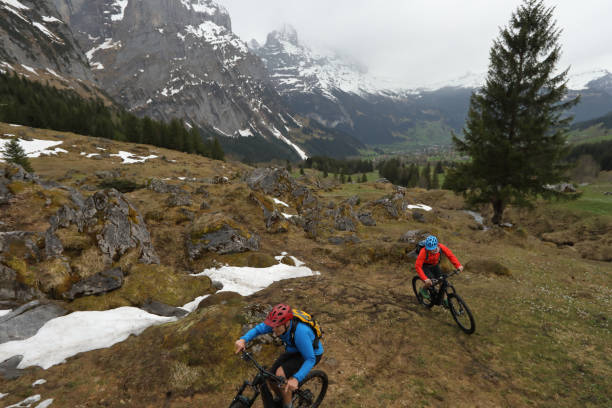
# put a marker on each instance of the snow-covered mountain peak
(285, 34)
(581, 80)
(296, 67)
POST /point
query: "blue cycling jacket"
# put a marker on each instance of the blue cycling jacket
(304, 337)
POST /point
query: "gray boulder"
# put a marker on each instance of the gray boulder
(179, 200)
(28, 241)
(26, 320)
(412, 236)
(274, 182)
(159, 186)
(13, 292)
(9, 370)
(365, 217)
(5, 194)
(162, 309)
(97, 284)
(225, 240)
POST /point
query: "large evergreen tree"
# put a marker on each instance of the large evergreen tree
(515, 128)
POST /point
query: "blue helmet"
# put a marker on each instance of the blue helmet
(431, 243)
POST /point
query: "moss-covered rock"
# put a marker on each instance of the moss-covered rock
(487, 266)
(149, 282)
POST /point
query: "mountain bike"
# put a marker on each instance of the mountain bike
(431, 296)
(310, 392)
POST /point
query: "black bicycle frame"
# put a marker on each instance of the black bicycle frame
(445, 287)
(258, 384)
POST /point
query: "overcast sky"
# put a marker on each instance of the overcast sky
(421, 42)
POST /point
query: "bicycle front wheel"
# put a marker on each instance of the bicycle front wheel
(461, 313)
(311, 391)
(425, 296)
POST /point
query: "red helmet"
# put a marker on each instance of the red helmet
(279, 314)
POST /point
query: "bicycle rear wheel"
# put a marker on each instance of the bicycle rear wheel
(425, 296)
(311, 391)
(461, 313)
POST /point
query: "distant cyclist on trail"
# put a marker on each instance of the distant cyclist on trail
(303, 348)
(428, 260)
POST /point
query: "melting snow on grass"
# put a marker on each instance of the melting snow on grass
(78, 332)
(419, 207)
(36, 147)
(129, 158)
(247, 280)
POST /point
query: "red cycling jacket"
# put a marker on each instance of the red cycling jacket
(433, 258)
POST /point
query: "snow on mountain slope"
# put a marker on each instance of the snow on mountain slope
(295, 67)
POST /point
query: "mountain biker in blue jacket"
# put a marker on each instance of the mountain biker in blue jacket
(300, 355)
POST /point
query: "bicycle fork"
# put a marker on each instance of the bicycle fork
(245, 400)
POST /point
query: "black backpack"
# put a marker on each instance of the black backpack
(420, 245)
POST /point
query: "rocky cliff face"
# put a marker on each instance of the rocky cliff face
(36, 42)
(177, 58)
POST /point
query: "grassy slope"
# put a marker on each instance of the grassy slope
(542, 334)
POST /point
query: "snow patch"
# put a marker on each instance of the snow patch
(35, 147)
(280, 136)
(30, 69)
(52, 72)
(50, 19)
(419, 207)
(245, 132)
(77, 332)
(121, 4)
(16, 4)
(247, 280)
(48, 33)
(277, 201)
(129, 158)
(108, 43)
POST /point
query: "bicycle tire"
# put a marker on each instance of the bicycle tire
(314, 386)
(417, 285)
(460, 311)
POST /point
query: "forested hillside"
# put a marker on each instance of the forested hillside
(34, 104)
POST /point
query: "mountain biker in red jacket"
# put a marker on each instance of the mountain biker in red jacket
(428, 261)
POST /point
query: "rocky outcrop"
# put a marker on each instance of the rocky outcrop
(219, 234)
(178, 59)
(13, 292)
(97, 284)
(113, 221)
(278, 183)
(32, 33)
(344, 218)
(273, 218)
(273, 182)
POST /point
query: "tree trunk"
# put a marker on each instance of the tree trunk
(498, 211)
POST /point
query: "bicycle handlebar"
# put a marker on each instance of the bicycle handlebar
(248, 357)
(444, 277)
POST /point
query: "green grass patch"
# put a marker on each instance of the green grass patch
(593, 200)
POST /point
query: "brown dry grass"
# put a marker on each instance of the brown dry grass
(542, 336)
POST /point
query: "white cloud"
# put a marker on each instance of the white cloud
(420, 42)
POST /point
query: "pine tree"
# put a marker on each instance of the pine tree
(515, 128)
(14, 153)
